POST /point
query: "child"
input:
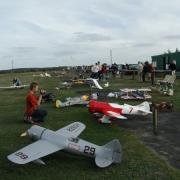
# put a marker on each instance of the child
(33, 112)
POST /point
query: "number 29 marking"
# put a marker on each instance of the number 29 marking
(89, 150)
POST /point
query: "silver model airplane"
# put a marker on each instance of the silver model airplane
(49, 141)
(72, 101)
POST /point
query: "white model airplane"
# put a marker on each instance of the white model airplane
(66, 139)
(90, 81)
(106, 85)
(14, 87)
(42, 75)
(113, 110)
(47, 75)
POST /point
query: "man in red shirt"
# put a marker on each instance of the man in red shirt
(33, 112)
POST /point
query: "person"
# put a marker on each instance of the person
(149, 70)
(140, 70)
(16, 82)
(104, 71)
(172, 67)
(127, 66)
(151, 73)
(33, 111)
(114, 68)
(95, 70)
(145, 70)
(99, 70)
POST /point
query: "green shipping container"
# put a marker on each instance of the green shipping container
(162, 61)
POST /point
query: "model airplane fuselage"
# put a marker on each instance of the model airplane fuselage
(49, 141)
(112, 110)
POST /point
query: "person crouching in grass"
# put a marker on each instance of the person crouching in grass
(33, 112)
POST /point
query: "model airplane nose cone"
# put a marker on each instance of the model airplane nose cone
(24, 134)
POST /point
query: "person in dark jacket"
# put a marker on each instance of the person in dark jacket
(172, 67)
(145, 71)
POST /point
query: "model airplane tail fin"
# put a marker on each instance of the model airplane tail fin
(110, 153)
(144, 107)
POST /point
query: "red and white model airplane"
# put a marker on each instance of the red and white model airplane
(112, 110)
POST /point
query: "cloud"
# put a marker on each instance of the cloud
(52, 33)
(144, 45)
(81, 37)
(172, 37)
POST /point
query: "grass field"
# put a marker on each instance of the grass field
(139, 162)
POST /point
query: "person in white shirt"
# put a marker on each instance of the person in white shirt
(140, 69)
(95, 70)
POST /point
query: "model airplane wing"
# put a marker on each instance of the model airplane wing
(144, 90)
(72, 130)
(115, 115)
(33, 152)
(14, 87)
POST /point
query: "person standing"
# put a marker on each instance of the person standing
(95, 70)
(140, 70)
(172, 67)
(151, 71)
(104, 72)
(99, 70)
(145, 70)
(114, 68)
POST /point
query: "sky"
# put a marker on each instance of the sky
(42, 33)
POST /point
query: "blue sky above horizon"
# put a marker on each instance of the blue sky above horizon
(40, 33)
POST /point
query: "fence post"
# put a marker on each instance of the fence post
(155, 120)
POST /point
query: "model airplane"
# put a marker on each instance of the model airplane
(66, 139)
(112, 110)
(106, 85)
(90, 81)
(14, 87)
(42, 75)
(83, 100)
(136, 94)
